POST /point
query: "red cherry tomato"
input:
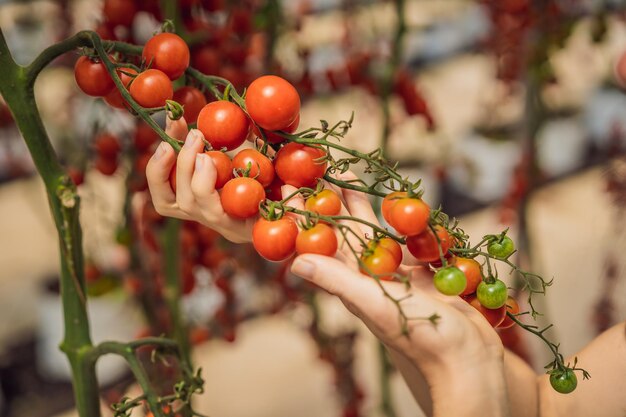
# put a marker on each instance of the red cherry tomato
(192, 101)
(275, 240)
(274, 191)
(206, 60)
(114, 98)
(223, 166)
(106, 166)
(272, 102)
(320, 239)
(151, 88)
(424, 246)
(257, 165)
(107, 145)
(77, 175)
(241, 197)
(223, 124)
(299, 165)
(326, 203)
(511, 307)
(167, 52)
(119, 12)
(92, 77)
(388, 202)
(409, 216)
(272, 137)
(471, 269)
(379, 262)
(144, 137)
(494, 317)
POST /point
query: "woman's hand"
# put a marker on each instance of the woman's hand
(196, 197)
(460, 357)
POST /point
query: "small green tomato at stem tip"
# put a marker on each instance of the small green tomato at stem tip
(563, 381)
(450, 280)
(501, 248)
(492, 295)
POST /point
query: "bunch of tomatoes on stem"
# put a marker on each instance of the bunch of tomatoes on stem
(249, 183)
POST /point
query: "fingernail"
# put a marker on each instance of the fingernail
(196, 134)
(199, 160)
(160, 150)
(191, 139)
(302, 267)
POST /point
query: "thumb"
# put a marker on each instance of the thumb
(335, 277)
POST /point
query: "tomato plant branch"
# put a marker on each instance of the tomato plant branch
(16, 87)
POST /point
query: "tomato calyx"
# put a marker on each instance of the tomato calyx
(175, 109)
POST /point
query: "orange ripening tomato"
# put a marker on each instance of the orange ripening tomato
(409, 216)
(275, 240)
(151, 89)
(494, 317)
(471, 269)
(223, 124)
(223, 166)
(380, 262)
(388, 202)
(241, 197)
(424, 246)
(272, 102)
(167, 52)
(257, 165)
(511, 307)
(92, 77)
(393, 247)
(192, 100)
(320, 239)
(325, 203)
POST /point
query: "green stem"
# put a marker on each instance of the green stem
(172, 291)
(386, 371)
(17, 88)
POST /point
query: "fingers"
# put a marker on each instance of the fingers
(158, 175)
(177, 129)
(296, 201)
(185, 166)
(203, 188)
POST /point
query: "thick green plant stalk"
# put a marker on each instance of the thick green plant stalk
(17, 89)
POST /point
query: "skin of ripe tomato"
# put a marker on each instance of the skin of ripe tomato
(107, 145)
(223, 124)
(493, 316)
(260, 166)
(275, 138)
(192, 100)
(119, 12)
(151, 88)
(380, 262)
(511, 307)
(223, 166)
(320, 239)
(298, 165)
(92, 77)
(114, 98)
(106, 166)
(424, 246)
(275, 240)
(206, 60)
(388, 202)
(272, 102)
(471, 269)
(167, 52)
(241, 197)
(274, 191)
(393, 247)
(409, 216)
(326, 203)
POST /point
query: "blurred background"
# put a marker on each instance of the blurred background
(513, 114)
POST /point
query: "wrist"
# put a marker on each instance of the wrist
(471, 386)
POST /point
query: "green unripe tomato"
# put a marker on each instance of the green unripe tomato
(450, 280)
(564, 381)
(501, 248)
(492, 295)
